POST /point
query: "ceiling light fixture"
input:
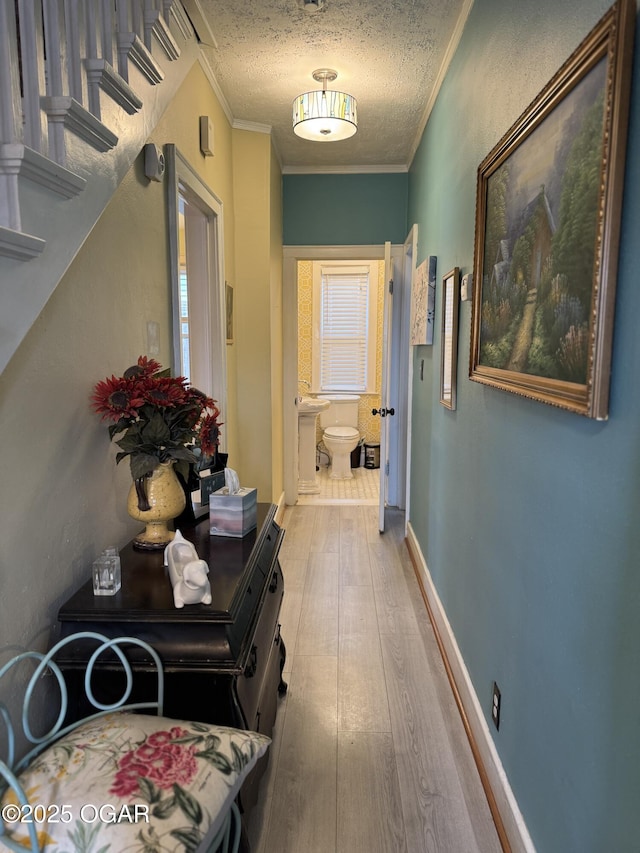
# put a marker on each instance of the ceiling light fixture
(326, 115)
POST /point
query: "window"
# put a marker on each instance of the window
(185, 360)
(344, 326)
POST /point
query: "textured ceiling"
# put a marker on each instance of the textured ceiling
(387, 55)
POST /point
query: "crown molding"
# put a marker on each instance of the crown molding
(254, 126)
(236, 124)
(444, 67)
(343, 170)
(211, 77)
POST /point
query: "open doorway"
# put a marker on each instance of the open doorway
(339, 310)
(293, 258)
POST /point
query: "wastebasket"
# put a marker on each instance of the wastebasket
(372, 456)
(356, 453)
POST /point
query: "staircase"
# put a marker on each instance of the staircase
(82, 85)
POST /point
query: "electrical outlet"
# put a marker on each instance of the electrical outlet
(495, 706)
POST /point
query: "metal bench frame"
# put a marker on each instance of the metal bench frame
(227, 840)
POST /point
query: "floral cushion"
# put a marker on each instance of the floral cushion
(136, 783)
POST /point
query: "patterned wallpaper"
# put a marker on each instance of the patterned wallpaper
(368, 424)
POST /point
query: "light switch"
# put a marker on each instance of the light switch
(466, 287)
(153, 338)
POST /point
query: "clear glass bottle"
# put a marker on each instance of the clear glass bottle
(107, 573)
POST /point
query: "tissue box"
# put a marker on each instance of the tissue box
(232, 515)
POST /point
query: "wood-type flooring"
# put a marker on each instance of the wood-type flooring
(369, 754)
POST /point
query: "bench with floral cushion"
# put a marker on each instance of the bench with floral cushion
(122, 778)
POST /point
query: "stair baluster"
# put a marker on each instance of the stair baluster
(33, 82)
(64, 69)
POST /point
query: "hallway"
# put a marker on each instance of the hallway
(369, 752)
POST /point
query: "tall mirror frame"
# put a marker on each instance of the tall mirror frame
(196, 248)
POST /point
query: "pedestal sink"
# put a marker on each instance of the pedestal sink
(308, 410)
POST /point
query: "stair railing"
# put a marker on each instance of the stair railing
(58, 60)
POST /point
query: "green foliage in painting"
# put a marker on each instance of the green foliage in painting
(548, 269)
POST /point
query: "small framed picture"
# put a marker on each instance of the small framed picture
(228, 291)
(449, 338)
(423, 302)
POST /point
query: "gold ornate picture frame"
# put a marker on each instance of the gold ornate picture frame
(548, 205)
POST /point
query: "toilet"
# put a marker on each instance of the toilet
(340, 434)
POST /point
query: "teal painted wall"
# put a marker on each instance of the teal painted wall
(344, 210)
(528, 515)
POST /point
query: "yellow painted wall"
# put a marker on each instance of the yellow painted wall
(277, 408)
(257, 296)
(368, 424)
(244, 173)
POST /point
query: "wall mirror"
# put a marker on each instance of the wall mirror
(198, 299)
(449, 337)
(197, 280)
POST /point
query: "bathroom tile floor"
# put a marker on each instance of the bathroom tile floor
(363, 489)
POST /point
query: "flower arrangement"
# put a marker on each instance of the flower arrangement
(158, 418)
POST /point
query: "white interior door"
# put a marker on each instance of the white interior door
(385, 411)
(409, 263)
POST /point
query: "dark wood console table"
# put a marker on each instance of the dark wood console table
(222, 661)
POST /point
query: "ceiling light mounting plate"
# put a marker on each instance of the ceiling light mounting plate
(311, 6)
(325, 75)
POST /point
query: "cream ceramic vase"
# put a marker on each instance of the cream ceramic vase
(165, 500)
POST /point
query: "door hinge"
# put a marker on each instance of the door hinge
(386, 468)
(390, 285)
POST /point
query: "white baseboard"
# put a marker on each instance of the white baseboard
(513, 823)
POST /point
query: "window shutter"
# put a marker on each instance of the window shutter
(185, 346)
(344, 330)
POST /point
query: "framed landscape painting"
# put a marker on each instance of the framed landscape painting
(547, 229)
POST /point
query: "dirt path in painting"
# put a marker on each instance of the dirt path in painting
(522, 343)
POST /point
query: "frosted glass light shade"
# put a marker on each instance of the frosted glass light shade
(325, 116)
